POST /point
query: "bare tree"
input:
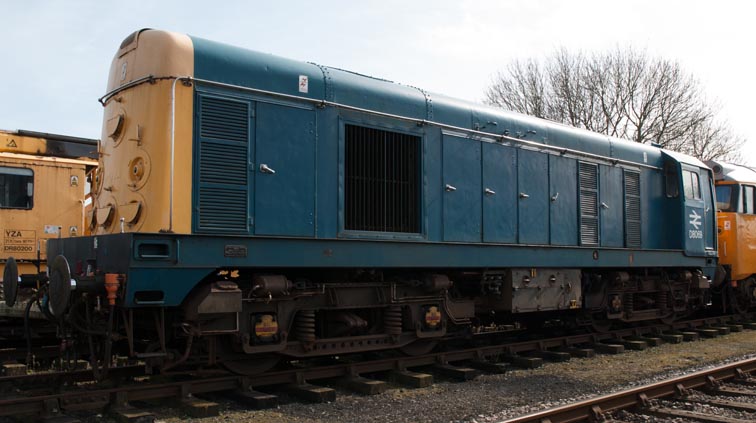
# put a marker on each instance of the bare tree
(623, 93)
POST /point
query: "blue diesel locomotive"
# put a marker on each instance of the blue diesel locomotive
(249, 207)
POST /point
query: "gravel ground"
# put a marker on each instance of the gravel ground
(492, 398)
(705, 409)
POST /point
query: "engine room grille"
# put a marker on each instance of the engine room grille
(382, 181)
(632, 209)
(222, 150)
(589, 220)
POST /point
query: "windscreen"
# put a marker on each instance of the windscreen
(727, 198)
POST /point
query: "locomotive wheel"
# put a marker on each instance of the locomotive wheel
(669, 319)
(59, 290)
(599, 323)
(10, 282)
(420, 347)
(250, 366)
(742, 296)
(244, 364)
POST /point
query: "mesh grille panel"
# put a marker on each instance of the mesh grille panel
(382, 176)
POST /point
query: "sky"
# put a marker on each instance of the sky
(56, 54)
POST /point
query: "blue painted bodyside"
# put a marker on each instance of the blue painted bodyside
(461, 160)
(500, 202)
(285, 143)
(563, 199)
(185, 260)
(462, 190)
(611, 210)
(532, 197)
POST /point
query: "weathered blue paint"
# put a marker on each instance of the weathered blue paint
(533, 197)
(563, 201)
(193, 257)
(286, 144)
(500, 202)
(463, 193)
(611, 207)
(218, 62)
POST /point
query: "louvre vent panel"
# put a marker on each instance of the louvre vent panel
(633, 234)
(589, 220)
(382, 181)
(589, 203)
(632, 183)
(589, 230)
(588, 173)
(224, 119)
(632, 209)
(223, 209)
(223, 163)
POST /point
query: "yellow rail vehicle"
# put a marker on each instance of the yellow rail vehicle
(43, 188)
(736, 224)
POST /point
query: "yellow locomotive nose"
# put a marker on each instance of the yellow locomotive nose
(148, 116)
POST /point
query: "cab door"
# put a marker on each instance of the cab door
(694, 217)
(710, 219)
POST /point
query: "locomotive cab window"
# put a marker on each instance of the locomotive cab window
(727, 198)
(382, 180)
(16, 188)
(691, 186)
(748, 197)
(671, 181)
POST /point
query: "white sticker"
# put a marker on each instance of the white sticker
(727, 225)
(645, 157)
(304, 84)
(124, 67)
(52, 229)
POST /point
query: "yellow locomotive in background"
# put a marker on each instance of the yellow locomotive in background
(43, 194)
(736, 224)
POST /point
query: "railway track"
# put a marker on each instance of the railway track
(680, 395)
(70, 392)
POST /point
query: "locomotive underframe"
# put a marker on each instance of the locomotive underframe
(246, 311)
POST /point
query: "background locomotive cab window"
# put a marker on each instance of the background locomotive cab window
(691, 185)
(382, 180)
(16, 188)
(748, 205)
(727, 198)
